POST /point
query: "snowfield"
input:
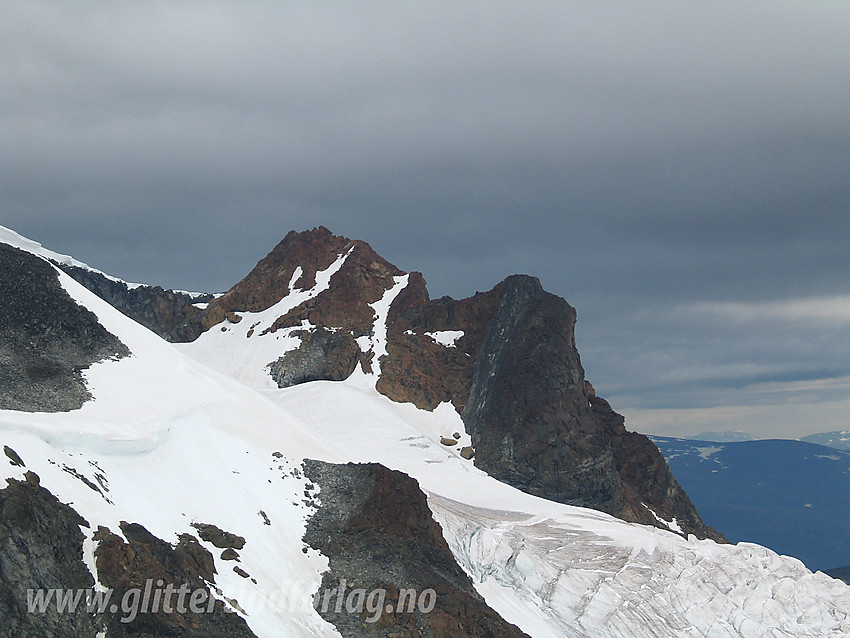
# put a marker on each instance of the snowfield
(173, 440)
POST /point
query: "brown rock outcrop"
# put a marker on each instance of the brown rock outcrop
(419, 370)
(514, 375)
(361, 281)
(145, 561)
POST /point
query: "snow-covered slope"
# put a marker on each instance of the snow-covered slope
(176, 443)
(556, 570)
(10, 237)
(172, 442)
(244, 349)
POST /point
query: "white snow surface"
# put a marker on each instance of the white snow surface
(672, 525)
(377, 343)
(557, 570)
(177, 442)
(707, 452)
(447, 338)
(244, 352)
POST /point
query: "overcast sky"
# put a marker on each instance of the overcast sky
(679, 172)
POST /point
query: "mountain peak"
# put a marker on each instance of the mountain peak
(293, 266)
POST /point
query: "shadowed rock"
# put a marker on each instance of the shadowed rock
(168, 313)
(46, 338)
(322, 355)
(375, 527)
(41, 548)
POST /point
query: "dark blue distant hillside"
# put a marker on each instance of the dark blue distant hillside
(790, 496)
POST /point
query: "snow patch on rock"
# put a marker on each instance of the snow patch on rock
(447, 338)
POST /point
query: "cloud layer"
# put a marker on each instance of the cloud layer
(678, 172)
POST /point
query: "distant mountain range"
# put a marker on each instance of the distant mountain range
(840, 440)
(791, 496)
(729, 436)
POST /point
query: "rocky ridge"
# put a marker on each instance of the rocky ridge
(168, 313)
(131, 562)
(373, 524)
(345, 306)
(41, 547)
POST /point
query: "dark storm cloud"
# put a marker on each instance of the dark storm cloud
(641, 158)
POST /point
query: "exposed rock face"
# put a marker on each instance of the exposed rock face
(218, 537)
(419, 370)
(46, 338)
(514, 375)
(646, 478)
(13, 456)
(268, 282)
(528, 414)
(129, 565)
(41, 548)
(375, 527)
(346, 304)
(322, 355)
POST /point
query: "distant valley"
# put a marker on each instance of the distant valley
(791, 496)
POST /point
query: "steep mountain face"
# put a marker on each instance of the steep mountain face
(511, 369)
(128, 561)
(294, 264)
(46, 338)
(41, 547)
